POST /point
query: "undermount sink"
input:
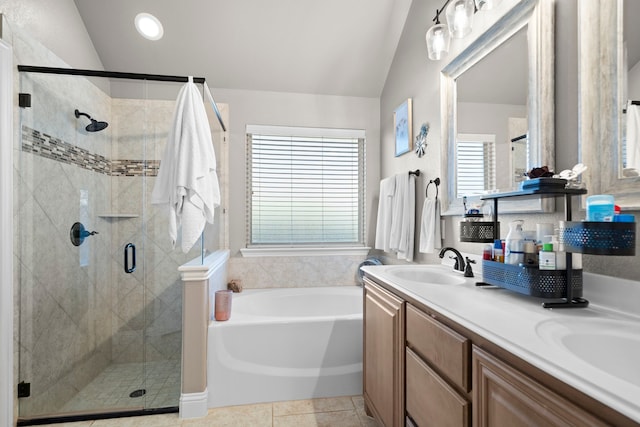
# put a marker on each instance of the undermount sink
(611, 346)
(426, 274)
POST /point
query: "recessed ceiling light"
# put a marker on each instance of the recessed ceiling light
(149, 26)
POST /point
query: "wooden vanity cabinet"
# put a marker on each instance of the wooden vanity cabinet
(383, 356)
(422, 369)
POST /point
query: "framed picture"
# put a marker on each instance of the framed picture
(403, 127)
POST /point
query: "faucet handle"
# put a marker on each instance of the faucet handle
(468, 271)
(456, 265)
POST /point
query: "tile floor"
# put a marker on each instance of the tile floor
(328, 412)
(111, 388)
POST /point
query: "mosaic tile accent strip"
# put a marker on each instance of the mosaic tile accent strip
(134, 167)
(44, 145)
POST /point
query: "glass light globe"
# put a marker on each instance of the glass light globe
(438, 41)
(460, 17)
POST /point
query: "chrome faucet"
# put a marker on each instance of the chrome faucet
(459, 265)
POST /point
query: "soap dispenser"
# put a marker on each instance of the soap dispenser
(514, 245)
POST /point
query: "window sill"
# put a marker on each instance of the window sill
(270, 252)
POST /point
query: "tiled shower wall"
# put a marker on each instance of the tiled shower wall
(77, 311)
(140, 130)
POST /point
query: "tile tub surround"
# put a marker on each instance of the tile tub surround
(520, 326)
(345, 411)
(294, 271)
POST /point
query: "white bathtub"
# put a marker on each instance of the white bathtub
(287, 344)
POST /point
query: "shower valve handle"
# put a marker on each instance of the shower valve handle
(78, 233)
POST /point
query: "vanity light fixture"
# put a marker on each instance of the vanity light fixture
(149, 26)
(459, 15)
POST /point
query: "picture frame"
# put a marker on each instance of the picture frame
(403, 127)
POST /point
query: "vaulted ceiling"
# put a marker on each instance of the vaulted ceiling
(333, 47)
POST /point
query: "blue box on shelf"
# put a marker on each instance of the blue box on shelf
(543, 184)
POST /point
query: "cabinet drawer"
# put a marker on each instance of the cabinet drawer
(446, 350)
(430, 400)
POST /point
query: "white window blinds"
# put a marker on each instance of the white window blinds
(475, 164)
(306, 186)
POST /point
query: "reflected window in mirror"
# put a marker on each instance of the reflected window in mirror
(475, 163)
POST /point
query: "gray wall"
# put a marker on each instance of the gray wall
(413, 75)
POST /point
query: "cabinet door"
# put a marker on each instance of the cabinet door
(503, 396)
(383, 355)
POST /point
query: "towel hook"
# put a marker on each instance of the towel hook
(415, 172)
(433, 181)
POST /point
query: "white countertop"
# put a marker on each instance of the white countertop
(539, 336)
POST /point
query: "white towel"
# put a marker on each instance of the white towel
(408, 212)
(385, 212)
(633, 136)
(430, 233)
(187, 182)
(395, 237)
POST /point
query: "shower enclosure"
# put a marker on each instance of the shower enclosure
(100, 296)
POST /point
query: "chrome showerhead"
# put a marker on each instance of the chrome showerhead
(94, 126)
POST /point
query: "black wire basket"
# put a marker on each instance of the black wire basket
(598, 238)
(530, 280)
(477, 231)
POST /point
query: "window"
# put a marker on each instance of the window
(305, 186)
(475, 164)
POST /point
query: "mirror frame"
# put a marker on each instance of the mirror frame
(539, 15)
(600, 91)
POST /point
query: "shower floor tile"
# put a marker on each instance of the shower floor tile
(111, 389)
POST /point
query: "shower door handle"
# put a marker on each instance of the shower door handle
(129, 248)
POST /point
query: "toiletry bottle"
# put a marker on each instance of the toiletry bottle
(515, 243)
(600, 208)
(561, 256)
(530, 256)
(486, 253)
(498, 255)
(542, 230)
(547, 257)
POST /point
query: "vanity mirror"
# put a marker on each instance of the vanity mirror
(497, 89)
(609, 81)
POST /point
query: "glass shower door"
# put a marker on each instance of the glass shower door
(82, 295)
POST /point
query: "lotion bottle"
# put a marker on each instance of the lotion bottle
(514, 244)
